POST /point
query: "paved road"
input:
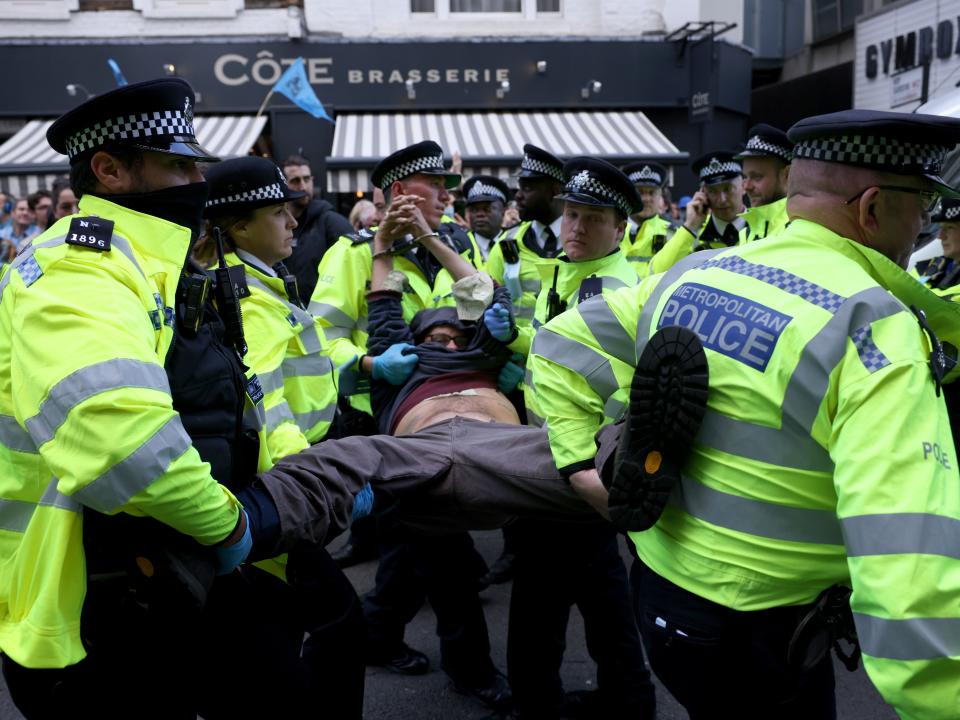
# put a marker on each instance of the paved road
(431, 697)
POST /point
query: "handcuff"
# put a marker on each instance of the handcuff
(407, 243)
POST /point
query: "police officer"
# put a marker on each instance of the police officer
(98, 421)
(559, 564)
(713, 213)
(766, 158)
(647, 231)
(942, 274)
(486, 199)
(533, 244)
(798, 483)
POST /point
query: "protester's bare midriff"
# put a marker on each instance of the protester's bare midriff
(485, 404)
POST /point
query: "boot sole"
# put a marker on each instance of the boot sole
(668, 398)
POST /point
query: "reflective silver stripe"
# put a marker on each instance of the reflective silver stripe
(524, 311)
(902, 534)
(306, 365)
(278, 414)
(669, 277)
(516, 231)
(15, 515)
(15, 437)
(308, 419)
(534, 419)
(334, 333)
(255, 416)
(271, 381)
(639, 258)
(335, 316)
(607, 330)
(86, 382)
(614, 408)
(609, 282)
(52, 497)
(138, 470)
(536, 324)
(528, 377)
(123, 245)
(908, 639)
(531, 286)
(756, 517)
(591, 365)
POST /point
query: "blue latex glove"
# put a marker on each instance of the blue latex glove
(394, 366)
(498, 322)
(230, 557)
(362, 503)
(510, 374)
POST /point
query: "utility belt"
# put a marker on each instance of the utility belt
(827, 625)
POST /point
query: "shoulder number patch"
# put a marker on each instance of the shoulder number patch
(92, 232)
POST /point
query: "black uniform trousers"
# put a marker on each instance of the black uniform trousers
(444, 570)
(719, 662)
(558, 565)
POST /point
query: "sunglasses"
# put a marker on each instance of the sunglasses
(461, 341)
(929, 198)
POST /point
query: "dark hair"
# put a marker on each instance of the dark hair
(295, 160)
(34, 197)
(58, 186)
(82, 178)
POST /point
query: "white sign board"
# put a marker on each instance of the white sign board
(892, 46)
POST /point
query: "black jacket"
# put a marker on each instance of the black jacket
(317, 230)
(387, 327)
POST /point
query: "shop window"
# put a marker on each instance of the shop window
(423, 6)
(478, 6)
(484, 6)
(832, 17)
(37, 9)
(548, 6)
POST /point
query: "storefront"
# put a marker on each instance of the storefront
(622, 100)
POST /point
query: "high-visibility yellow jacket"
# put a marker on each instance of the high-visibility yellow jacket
(86, 419)
(608, 274)
(764, 220)
(641, 242)
(523, 278)
(284, 350)
(825, 455)
(682, 243)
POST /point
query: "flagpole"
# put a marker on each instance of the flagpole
(263, 105)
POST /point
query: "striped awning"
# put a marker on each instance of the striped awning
(492, 143)
(27, 162)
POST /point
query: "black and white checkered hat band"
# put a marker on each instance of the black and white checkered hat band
(538, 166)
(720, 168)
(267, 192)
(480, 190)
(131, 127)
(589, 185)
(427, 162)
(758, 144)
(951, 213)
(872, 150)
(646, 175)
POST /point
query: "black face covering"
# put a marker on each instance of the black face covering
(181, 204)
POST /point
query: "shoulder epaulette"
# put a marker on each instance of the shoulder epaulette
(90, 232)
(361, 237)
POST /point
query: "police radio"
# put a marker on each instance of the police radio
(511, 253)
(228, 301)
(555, 305)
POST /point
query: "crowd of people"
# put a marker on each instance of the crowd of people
(226, 374)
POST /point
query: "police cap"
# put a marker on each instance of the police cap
(646, 174)
(592, 181)
(485, 188)
(900, 143)
(947, 211)
(767, 141)
(156, 115)
(424, 158)
(244, 184)
(717, 167)
(538, 163)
